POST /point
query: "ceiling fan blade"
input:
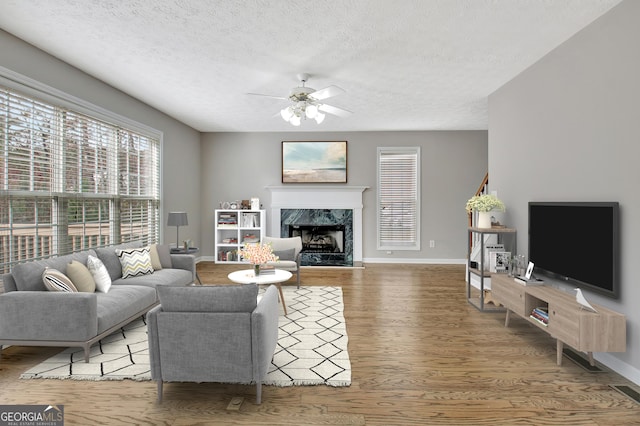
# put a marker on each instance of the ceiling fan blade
(334, 110)
(327, 92)
(267, 96)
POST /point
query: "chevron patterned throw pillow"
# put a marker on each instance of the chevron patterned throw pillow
(135, 261)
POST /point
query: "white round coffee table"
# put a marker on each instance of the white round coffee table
(247, 276)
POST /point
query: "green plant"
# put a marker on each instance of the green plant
(484, 203)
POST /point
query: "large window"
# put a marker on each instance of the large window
(398, 198)
(70, 181)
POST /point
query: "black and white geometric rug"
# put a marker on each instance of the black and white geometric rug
(312, 341)
(312, 347)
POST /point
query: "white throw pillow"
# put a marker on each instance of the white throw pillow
(135, 261)
(100, 274)
(55, 280)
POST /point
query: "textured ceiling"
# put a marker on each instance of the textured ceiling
(405, 64)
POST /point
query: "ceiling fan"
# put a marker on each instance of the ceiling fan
(305, 103)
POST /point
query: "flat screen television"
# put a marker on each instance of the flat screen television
(576, 242)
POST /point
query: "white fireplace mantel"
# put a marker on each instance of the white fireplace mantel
(320, 197)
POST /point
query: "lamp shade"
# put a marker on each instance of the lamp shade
(177, 219)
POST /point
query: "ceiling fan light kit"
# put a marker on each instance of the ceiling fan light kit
(305, 103)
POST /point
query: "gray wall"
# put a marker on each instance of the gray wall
(238, 166)
(567, 129)
(181, 144)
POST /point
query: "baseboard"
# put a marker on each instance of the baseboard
(415, 261)
(616, 364)
(379, 260)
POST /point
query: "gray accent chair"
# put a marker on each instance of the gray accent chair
(288, 249)
(213, 334)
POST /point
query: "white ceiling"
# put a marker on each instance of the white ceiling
(405, 64)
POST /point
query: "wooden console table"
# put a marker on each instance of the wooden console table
(569, 323)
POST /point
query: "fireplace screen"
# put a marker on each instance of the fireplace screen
(319, 238)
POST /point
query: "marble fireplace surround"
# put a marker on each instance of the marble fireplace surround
(319, 197)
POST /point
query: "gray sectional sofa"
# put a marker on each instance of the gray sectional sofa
(30, 315)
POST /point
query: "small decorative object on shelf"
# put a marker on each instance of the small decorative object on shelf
(255, 203)
(499, 261)
(484, 204)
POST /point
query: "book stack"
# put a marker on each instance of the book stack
(541, 315)
(267, 270)
(227, 256)
(250, 238)
(227, 220)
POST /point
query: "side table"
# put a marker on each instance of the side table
(190, 250)
(247, 276)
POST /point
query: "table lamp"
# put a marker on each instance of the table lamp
(177, 219)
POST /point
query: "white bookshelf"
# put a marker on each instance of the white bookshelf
(234, 228)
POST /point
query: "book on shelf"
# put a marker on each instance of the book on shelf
(250, 238)
(541, 315)
(542, 311)
(250, 220)
(227, 219)
(538, 320)
(227, 255)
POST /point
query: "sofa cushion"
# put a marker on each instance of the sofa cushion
(285, 254)
(108, 256)
(99, 273)
(287, 265)
(123, 302)
(163, 277)
(81, 277)
(222, 298)
(164, 252)
(135, 262)
(55, 280)
(155, 257)
(28, 276)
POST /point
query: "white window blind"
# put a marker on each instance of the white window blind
(398, 198)
(69, 181)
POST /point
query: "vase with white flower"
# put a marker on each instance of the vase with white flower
(484, 204)
(258, 254)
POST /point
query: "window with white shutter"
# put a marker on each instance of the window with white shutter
(398, 198)
(70, 181)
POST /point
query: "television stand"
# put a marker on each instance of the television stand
(568, 322)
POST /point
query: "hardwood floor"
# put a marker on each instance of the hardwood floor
(420, 355)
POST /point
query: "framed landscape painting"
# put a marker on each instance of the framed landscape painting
(314, 162)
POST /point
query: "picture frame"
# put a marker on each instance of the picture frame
(488, 249)
(499, 261)
(314, 161)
